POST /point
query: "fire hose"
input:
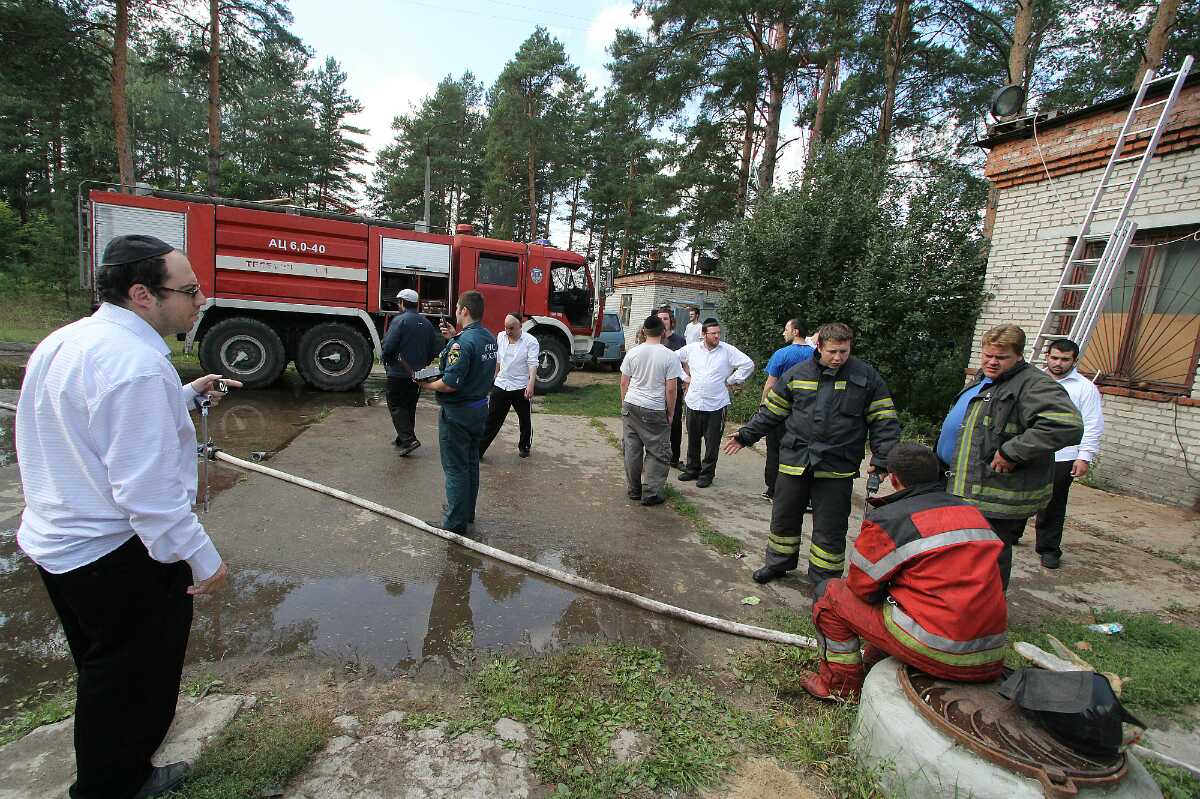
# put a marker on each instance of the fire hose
(652, 605)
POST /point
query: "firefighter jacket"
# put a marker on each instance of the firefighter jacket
(827, 414)
(1027, 416)
(933, 558)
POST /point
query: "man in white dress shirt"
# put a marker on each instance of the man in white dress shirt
(108, 465)
(516, 376)
(712, 367)
(1069, 462)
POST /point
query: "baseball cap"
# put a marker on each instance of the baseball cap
(408, 295)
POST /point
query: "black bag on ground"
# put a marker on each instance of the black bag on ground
(1077, 708)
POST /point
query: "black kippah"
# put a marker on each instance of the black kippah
(127, 249)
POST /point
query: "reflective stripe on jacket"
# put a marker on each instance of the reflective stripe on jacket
(1027, 416)
(934, 559)
(827, 415)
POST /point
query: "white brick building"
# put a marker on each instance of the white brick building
(1147, 341)
(636, 296)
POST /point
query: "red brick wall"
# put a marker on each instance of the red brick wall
(1086, 143)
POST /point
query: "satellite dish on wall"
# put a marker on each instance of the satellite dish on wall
(1007, 102)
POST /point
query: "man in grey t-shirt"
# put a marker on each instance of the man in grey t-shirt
(648, 403)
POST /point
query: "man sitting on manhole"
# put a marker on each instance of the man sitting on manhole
(924, 586)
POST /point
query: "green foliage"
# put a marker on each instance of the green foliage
(51, 702)
(901, 264)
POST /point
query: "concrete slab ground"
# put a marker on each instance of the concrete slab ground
(43, 762)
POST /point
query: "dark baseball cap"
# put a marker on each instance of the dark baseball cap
(135, 247)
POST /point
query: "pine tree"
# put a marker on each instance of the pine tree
(336, 154)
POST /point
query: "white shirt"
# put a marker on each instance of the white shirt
(693, 332)
(515, 359)
(649, 367)
(1086, 396)
(711, 370)
(107, 449)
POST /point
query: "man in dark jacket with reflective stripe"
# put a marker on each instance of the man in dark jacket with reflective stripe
(409, 345)
(924, 586)
(828, 406)
(1000, 436)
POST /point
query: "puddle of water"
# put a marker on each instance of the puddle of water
(8, 438)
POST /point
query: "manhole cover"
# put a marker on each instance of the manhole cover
(975, 715)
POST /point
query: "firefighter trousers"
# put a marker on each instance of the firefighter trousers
(845, 623)
(830, 498)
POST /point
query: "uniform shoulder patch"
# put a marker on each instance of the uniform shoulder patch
(454, 354)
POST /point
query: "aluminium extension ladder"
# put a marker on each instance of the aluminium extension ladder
(1079, 323)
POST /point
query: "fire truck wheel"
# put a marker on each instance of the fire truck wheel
(334, 357)
(553, 363)
(244, 349)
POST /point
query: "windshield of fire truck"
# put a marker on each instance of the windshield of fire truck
(570, 294)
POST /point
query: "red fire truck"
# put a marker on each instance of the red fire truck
(293, 284)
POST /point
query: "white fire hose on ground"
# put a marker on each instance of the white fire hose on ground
(652, 605)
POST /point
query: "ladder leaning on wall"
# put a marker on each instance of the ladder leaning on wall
(1095, 276)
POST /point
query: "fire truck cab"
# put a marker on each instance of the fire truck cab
(289, 284)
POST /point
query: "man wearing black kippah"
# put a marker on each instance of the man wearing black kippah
(108, 467)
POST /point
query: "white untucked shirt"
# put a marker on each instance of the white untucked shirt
(515, 360)
(693, 332)
(107, 449)
(1086, 397)
(711, 370)
(649, 367)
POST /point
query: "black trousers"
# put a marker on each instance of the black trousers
(1009, 531)
(127, 619)
(771, 470)
(402, 394)
(498, 404)
(830, 498)
(677, 422)
(706, 426)
(1050, 520)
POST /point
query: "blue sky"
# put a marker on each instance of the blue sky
(395, 52)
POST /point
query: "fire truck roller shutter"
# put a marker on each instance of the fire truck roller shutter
(245, 349)
(334, 356)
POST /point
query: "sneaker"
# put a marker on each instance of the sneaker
(767, 495)
(687, 477)
(163, 779)
(704, 482)
(652, 499)
(1051, 561)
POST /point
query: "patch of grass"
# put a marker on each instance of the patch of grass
(1161, 661)
(51, 702)
(744, 402)
(1173, 782)
(603, 430)
(595, 399)
(422, 721)
(29, 317)
(575, 703)
(201, 685)
(259, 752)
(723, 544)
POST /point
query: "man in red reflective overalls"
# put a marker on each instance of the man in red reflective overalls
(924, 586)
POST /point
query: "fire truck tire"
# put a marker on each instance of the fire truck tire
(244, 349)
(553, 363)
(334, 357)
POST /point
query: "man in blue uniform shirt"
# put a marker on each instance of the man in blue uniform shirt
(787, 356)
(468, 365)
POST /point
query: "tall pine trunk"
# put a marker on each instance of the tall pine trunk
(120, 109)
(775, 89)
(574, 213)
(892, 58)
(829, 77)
(1156, 41)
(1018, 56)
(743, 184)
(214, 97)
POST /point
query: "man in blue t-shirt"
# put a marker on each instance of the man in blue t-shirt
(787, 356)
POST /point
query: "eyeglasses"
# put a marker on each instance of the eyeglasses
(191, 291)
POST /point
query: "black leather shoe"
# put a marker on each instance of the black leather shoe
(676, 464)
(766, 574)
(653, 499)
(687, 476)
(634, 495)
(163, 779)
(1051, 561)
(704, 482)
(408, 448)
(524, 453)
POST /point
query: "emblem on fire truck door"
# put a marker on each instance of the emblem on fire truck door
(536, 274)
